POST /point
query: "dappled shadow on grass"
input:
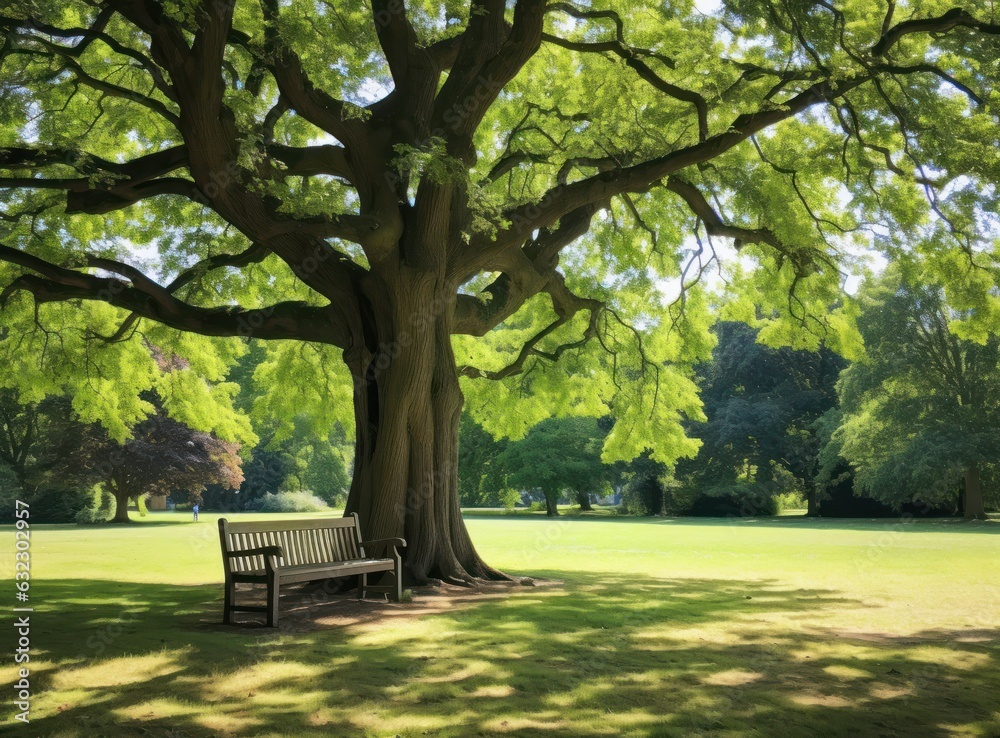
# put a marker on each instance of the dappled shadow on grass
(603, 655)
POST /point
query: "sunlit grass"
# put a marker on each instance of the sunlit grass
(661, 627)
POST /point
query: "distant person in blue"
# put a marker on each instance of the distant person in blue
(194, 509)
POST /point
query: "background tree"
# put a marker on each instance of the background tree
(645, 489)
(58, 459)
(162, 457)
(481, 480)
(465, 166)
(761, 404)
(30, 430)
(325, 473)
(558, 455)
(295, 452)
(837, 494)
(19, 426)
(922, 410)
(10, 490)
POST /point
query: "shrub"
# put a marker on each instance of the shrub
(286, 502)
(100, 507)
(45, 505)
(735, 501)
(642, 495)
(793, 500)
(509, 498)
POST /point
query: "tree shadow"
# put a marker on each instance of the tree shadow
(603, 656)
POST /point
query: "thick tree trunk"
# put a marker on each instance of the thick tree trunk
(407, 406)
(21, 475)
(121, 507)
(812, 504)
(972, 506)
(551, 505)
(584, 499)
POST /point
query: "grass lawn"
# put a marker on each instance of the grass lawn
(779, 627)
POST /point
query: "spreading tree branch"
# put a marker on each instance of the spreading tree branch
(566, 306)
(954, 18)
(142, 296)
(490, 56)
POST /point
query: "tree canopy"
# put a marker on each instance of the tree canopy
(509, 191)
(559, 455)
(760, 405)
(481, 482)
(922, 411)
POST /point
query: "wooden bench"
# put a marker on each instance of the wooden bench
(274, 552)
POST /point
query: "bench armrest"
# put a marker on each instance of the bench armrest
(396, 542)
(262, 551)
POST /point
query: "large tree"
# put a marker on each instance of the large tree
(922, 410)
(383, 181)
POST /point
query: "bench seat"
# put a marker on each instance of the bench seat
(315, 572)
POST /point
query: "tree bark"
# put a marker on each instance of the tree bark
(584, 499)
(973, 507)
(551, 505)
(407, 404)
(121, 506)
(812, 504)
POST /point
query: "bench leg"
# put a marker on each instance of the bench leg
(227, 605)
(272, 602)
(397, 577)
(362, 584)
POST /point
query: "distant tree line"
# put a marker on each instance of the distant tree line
(912, 427)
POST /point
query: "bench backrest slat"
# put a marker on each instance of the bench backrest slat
(238, 542)
(257, 526)
(323, 550)
(285, 541)
(315, 541)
